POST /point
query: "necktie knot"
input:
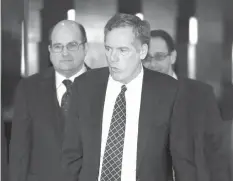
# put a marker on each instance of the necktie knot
(68, 84)
(123, 88)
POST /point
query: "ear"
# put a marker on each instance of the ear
(49, 48)
(173, 56)
(86, 47)
(143, 51)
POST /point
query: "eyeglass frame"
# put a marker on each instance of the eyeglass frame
(78, 46)
(164, 56)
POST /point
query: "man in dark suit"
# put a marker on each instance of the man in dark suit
(41, 105)
(161, 58)
(122, 118)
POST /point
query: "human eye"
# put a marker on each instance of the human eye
(160, 56)
(149, 56)
(57, 47)
(72, 46)
(107, 48)
(124, 51)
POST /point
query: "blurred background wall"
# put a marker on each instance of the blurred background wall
(202, 30)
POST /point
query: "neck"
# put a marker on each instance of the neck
(134, 75)
(69, 73)
(170, 72)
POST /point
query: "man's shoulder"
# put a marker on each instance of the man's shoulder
(38, 77)
(163, 80)
(195, 85)
(93, 75)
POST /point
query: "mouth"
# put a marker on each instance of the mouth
(114, 69)
(66, 60)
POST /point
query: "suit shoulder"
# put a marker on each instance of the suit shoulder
(197, 85)
(93, 75)
(36, 78)
(161, 78)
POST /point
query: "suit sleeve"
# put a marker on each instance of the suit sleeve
(72, 145)
(217, 142)
(20, 137)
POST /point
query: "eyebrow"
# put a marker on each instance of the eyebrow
(67, 43)
(123, 47)
(56, 43)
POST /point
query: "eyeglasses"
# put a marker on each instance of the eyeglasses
(72, 46)
(159, 56)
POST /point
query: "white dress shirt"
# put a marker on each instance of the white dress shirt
(174, 75)
(133, 100)
(60, 87)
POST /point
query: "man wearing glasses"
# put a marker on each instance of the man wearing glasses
(199, 97)
(41, 106)
(162, 53)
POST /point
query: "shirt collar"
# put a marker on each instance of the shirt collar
(59, 77)
(174, 75)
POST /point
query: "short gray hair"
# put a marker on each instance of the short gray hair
(141, 29)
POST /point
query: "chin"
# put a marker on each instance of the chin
(116, 77)
(67, 67)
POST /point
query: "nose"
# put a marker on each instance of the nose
(114, 56)
(64, 51)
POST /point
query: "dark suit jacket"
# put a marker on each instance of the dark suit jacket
(37, 130)
(162, 119)
(209, 146)
(196, 93)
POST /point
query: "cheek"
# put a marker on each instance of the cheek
(77, 56)
(54, 58)
(132, 63)
(162, 64)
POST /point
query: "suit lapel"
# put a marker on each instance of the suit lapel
(97, 108)
(50, 103)
(150, 110)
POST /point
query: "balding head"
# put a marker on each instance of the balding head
(69, 24)
(68, 47)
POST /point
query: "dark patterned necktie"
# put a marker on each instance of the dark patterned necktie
(66, 96)
(112, 160)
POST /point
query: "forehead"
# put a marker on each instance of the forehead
(63, 34)
(158, 44)
(119, 37)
